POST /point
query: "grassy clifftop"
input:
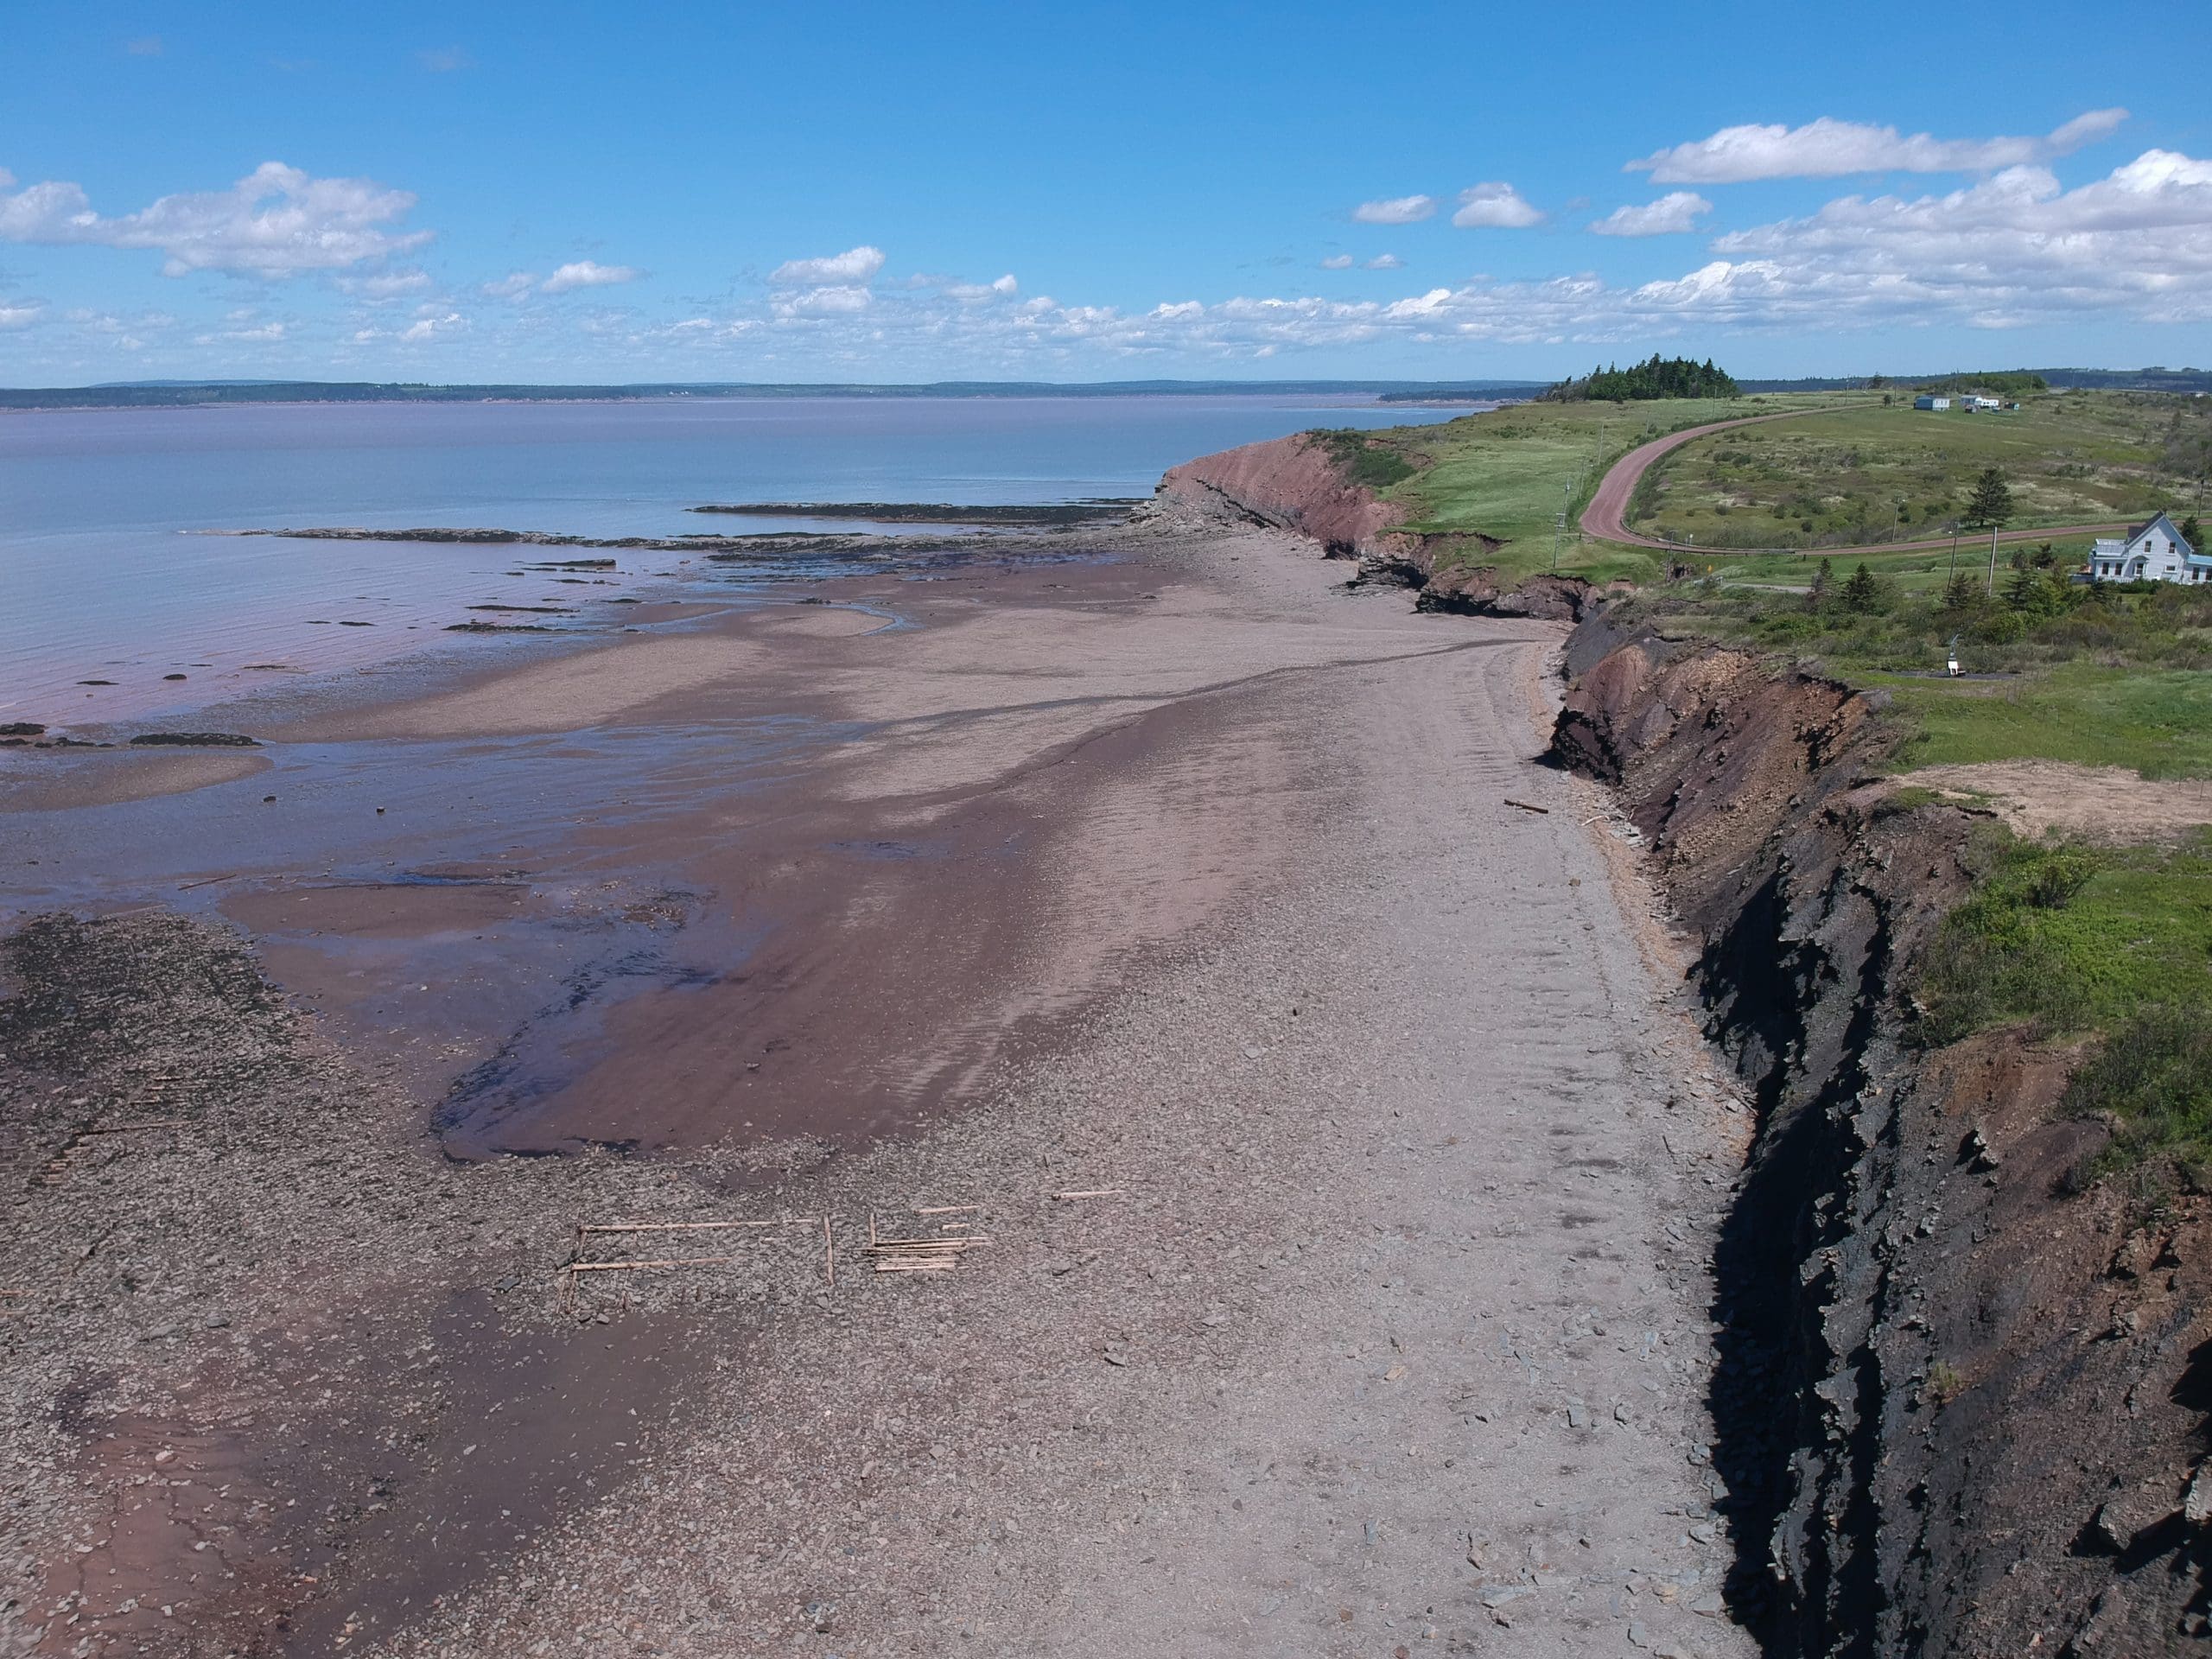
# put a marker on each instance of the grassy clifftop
(1507, 473)
(2060, 672)
(1868, 473)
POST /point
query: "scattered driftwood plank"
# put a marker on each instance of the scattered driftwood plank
(923, 1246)
(947, 1209)
(1526, 807)
(1093, 1192)
(632, 1267)
(688, 1226)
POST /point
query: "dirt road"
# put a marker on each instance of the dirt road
(1388, 1331)
(1606, 516)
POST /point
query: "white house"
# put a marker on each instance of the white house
(1927, 400)
(2151, 552)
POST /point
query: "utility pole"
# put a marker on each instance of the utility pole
(1559, 525)
(1993, 561)
(1955, 547)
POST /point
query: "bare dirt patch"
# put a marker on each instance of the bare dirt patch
(2112, 804)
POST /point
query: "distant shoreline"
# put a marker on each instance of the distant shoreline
(219, 395)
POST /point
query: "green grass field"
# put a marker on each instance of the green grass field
(1912, 573)
(1506, 473)
(1868, 474)
(2159, 724)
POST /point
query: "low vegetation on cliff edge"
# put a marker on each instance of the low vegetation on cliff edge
(2105, 943)
(2089, 675)
(2110, 945)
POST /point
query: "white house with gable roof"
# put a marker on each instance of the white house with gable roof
(2151, 552)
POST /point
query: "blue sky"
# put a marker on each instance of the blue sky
(898, 192)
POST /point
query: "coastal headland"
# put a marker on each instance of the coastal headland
(1194, 940)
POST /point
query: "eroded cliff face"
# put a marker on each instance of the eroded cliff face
(1293, 483)
(1960, 1411)
(1296, 484)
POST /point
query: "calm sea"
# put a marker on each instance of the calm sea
(102, 578)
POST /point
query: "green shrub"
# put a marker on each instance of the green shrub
(2068, 940)
(2154, 1074)
(2000, 628)
(1362, 460)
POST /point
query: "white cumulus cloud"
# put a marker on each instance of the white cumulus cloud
(2016, 246)
(1004, 287)
(853, 267)
(1337, 262)
(1495, 205)
(429, 329)
(1673, 213)
(586, 273)
(1386, 262)
(275, 222)
(1395, 210)
(1828, 148)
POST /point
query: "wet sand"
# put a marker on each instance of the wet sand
(1178, 871)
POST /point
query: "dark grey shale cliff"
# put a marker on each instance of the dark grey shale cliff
(1957, 1410)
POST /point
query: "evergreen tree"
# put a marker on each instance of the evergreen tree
(1817, 595)
(1677, 376)
(2034, 592)
(2193, 533)
(1961, 595)
(1862, 595)
(1991, 503)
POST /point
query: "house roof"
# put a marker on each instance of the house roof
(2136, 532)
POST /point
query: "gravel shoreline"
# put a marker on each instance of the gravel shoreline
(1393, 1334)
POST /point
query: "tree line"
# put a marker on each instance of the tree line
(1657, 376)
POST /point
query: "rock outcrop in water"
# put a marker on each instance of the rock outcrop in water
(1960, 1411)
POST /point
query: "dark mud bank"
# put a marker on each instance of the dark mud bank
(1958, 1410)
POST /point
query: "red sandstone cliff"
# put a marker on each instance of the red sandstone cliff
(1295, 484)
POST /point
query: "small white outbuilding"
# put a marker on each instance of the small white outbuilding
(1929, 400)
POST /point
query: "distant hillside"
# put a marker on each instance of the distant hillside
(1468, 391)
(2152, 379)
